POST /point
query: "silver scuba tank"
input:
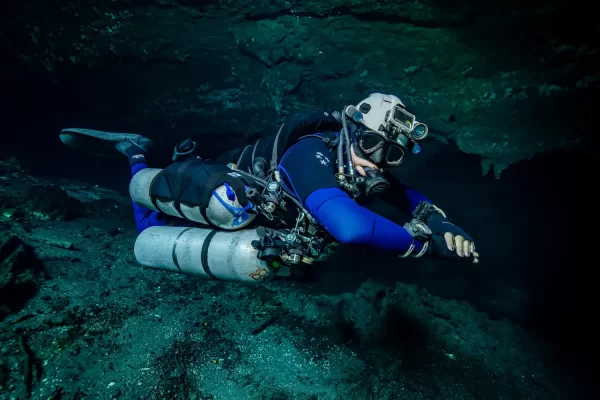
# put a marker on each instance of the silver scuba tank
(221, 211)
(207, 253)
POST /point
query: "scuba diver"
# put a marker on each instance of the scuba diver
(290, 198)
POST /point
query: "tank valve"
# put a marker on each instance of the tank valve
(294, 256)
(270, 206)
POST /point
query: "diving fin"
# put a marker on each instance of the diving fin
(103, 143)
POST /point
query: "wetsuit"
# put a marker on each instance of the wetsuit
(307, 169)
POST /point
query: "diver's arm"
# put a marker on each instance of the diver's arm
(350, 223)
(307, 171)
(448, 241)
(402, 196)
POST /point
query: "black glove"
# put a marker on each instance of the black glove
(445, 233)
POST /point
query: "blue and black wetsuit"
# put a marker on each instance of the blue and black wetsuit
(307, 169)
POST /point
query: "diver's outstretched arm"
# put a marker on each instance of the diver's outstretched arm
(402, 196)
(350, 223)
(448, 241)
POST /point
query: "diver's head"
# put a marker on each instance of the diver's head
(386, 130)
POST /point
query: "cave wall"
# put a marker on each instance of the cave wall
(503, 80)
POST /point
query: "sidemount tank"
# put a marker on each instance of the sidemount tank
(218, 211)
(207, 253)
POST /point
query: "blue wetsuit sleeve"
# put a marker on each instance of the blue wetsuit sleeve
(350, 223)
(402, 196)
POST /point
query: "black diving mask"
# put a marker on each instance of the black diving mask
(379, 149)
(383, 150)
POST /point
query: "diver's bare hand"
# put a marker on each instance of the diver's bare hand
(463, 247)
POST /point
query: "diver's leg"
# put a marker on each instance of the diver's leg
(144, 218)
(135, 147)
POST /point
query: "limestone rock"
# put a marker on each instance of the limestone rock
(19, 273)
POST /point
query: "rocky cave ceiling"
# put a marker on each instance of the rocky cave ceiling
(504, 80)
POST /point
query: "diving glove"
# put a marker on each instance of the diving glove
(439, 226)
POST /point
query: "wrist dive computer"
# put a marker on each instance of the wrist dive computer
(418, 229)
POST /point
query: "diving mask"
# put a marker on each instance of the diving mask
(379, 149)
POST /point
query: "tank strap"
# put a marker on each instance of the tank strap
(174, 252)
(204, 254)
(238, 184)
(177, 187)
(210, 185)
(206, 195)
(205, 216)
